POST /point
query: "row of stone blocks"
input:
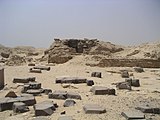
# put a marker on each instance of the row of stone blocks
(128, 83)
(38, 69)
(64, 95)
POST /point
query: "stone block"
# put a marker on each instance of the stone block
(93, 109)
(31, 64)
(24, 80)
(7, 103)
(135, 83)
(100, 90)
(34, 92)
(31, 70)
(69, 103)
(42, 68)
(44, 108)
(73, 95)
(28, 100)
(19, 107)
(124, 85)
(96, 74)
(34, 85)
(124, 74)
(90, 82)
(11, 94)
(58, 95)
(138, 69)
(47, 91)
(129, 115)
(75, 80)
(148, 109)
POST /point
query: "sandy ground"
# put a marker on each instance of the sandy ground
(149, 92)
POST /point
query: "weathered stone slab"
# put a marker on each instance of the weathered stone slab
(138, 69)
(19, 107)
(7, 103)
(1, 78)
(100, 90)
(93, 108)
(148, 109)
(33, 85)
(31, 70)
(69, 103)
(124, 74)
(129, 115)
(124, 85)
(24, 80)
(44, 108)
(73, 95)
(75, 80)
(28, 100)
(34, 92)
(96, 74)
(47, 91)
(90, 82)
(31, 64)
(42, 68)
(133, 82)
(58, 95)
(65, 118)
(11, 94)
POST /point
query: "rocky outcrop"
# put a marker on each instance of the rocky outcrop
(16, 60)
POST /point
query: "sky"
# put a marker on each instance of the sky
(38, 22)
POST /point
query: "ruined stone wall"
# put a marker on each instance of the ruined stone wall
(145, 63)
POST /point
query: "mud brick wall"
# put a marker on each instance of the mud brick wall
(145, 63)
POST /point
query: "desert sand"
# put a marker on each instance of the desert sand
(124, 100)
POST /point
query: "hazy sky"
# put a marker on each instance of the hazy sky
(38, 22)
